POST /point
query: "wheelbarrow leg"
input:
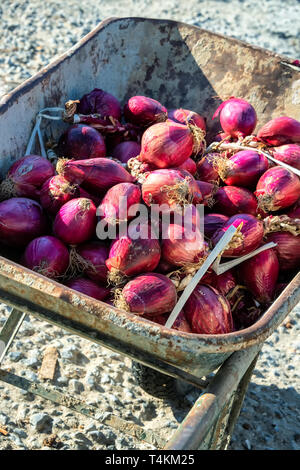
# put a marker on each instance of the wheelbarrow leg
(201, 427)
(10, 330)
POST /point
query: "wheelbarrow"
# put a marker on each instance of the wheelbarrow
(180, 65)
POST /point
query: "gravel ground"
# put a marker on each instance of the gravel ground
(270, 415)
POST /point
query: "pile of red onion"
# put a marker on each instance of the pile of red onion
(120, 164)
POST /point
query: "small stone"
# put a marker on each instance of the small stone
(15, 356)
(41, 422)
(76, 386)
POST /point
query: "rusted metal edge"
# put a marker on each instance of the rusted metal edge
(104, 417)
(10, 330)
(28, 84)
(30, 288)
(206, 411)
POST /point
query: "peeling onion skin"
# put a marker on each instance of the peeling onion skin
(277, 189)
(260, 275)
(182, 116)
(208, 312)
(95, 253)
(279, 131)
(150, 294)
(183, 245)
(288, 153)
(55, 192)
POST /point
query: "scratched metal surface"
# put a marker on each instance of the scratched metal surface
(181, 65)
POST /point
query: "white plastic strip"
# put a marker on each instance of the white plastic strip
(222, 268)
(37, 128)
(220, 246)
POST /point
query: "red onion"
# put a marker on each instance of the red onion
(181, 323)
(100, 102)
(277, 188)
(237, 117)
(168, 144)
(206, 168)
(231, 200)
(129, 257)
(55, 192)
(25, 177)
(223, 282)
(126, 150)
(81, 142)
(294, 213)
(21, 220)
(164, 267)
(245, 311)
(243, 169)
(212, 222)
(260, 274)
(75, 221)
(208, 312)
(95, 175)
(94, 254)
(83, 193)
(149, 294)
(169, 186)
(188, 165)
(289, 153)
(183, 246)
(46, 255)
(279, 131)
(116, 204)
(185, 116)
(221, 136)
(144, 111)
(207, 191)
(246, 240)
(88, 287)
(287, 249)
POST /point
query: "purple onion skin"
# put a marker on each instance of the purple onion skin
(182, 116)
(252, 232)
(28, 175)
(95, 253)
(246, 313)
(223, 282)
(21, 220)
(109, 209)
(237, 117)
(76, 221)
(100, 102)
(287, 249)
(89, 287)
(126, 150)
(81, 142)
(206, 170)
(53, 193)
(260, 275)
(47, 255)
(246, 167)
(96, 175)
(213, 222)
(289, 153)
(231, 200)
(280, 185)
(133, 257)
(279, 131)
(208, 312)
(150, 294)
(144, 111)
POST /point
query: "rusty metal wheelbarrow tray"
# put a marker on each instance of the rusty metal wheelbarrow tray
(180, 65)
